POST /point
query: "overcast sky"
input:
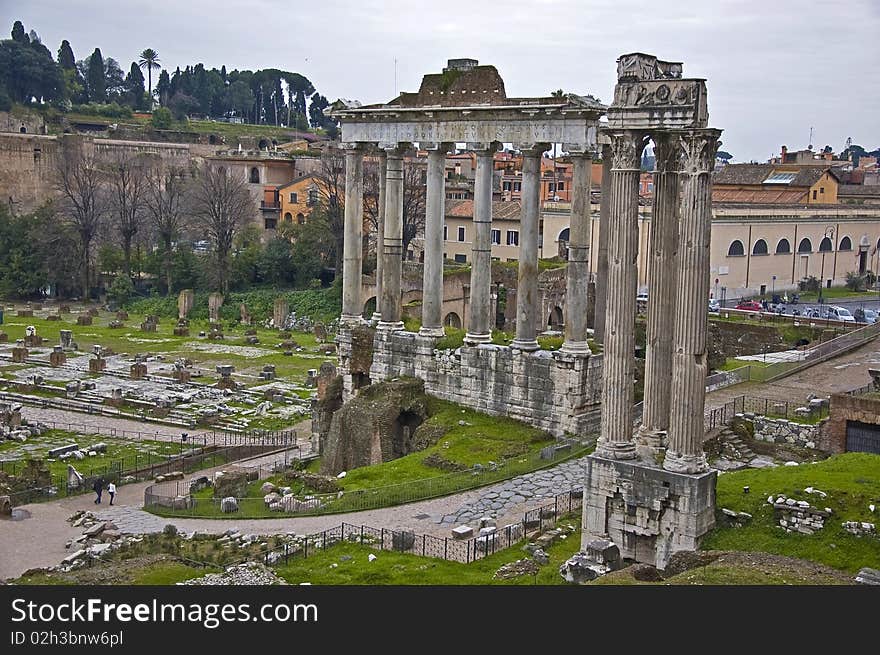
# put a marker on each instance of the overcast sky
(774, 68)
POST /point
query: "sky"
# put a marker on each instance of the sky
(774, 69)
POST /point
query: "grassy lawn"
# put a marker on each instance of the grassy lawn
(852, 482)
(150, 570)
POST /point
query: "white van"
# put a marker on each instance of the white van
(839, 314)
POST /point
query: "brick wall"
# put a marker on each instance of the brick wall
(847, 408)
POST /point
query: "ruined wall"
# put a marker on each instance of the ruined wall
(556, 392)
(846, 408)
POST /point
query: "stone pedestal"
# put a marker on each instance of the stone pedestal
(4, 338)
(138, 371)
(279, 312)
(182, 375)
(66, 338)
(57, 357)
(19, 354)
(33, 341)
(26, 312)
(150, 323)
(648, 512)
(185, 301)
(83, 319)
(53, 317)
(215, 302)
(97, 365)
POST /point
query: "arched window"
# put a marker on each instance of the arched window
(300, 219)
(255, 175)
(805, 246)
(288, 217)
(826, 245)
(760, 247)
(736, 249)
(564, 235)
(783, 247)
(845, 244)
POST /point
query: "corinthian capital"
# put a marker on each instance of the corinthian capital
(626, 150)
(698, 148)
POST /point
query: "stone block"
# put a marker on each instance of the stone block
(138, 371)
(19, 354)
(83, 319)
(462, 532)
(97, 365)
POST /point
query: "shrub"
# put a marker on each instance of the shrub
(162, 118)
(121, 290)
(855, 282)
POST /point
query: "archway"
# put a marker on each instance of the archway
(555, 321)
(255, 175)
(452, 320)
(369, 308)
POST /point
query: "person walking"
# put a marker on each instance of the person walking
(111, 489)
(98, 488)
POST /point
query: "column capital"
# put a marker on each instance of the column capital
(667, 155)
(579, 151)
(698, 148)
(394, 149)
(626, 149)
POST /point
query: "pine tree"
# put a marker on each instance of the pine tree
(96, 81)
(65, 56)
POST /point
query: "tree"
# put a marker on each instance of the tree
(73, 85)
(134, 87)
(149, 59)
(330, 181)
(65, 56)
(18, 33)
(723, 155)
(221, 204)
(96, 80)
(165, 201)
(162, 118)
(114, 80)
(182, 104)
(414, 200)
(83, 201)
(27, 70)
(126, 175)
(163, 88)
(239, 97)
(316, 110)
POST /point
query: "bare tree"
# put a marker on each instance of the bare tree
(128, 188)
(414, 199)
(84, 201)
(221, 204)
(166, 193)
(331, 191)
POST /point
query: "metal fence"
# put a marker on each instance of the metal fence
(179, 501)
(425, 545)
(720, 416)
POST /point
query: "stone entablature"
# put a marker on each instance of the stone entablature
(556, 392)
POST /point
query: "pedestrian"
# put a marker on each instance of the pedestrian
(98, 487)
(111, 489)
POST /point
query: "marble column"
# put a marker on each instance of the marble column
(354, 233)
(380, 232)
(479, 327)
(662, 296)
(392, 243)
(616, 439)
(602, 254)
(527, 300)
(689, 361)
(432, 285)
(578, 270)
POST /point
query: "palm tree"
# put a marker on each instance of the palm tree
(149, 60)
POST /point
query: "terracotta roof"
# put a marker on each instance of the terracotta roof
(858, 190)
(502, 210)
(772, 195)
(754, 174)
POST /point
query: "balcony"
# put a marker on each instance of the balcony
(272, 206)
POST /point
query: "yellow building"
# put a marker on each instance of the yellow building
(297, 199)
(776, 184)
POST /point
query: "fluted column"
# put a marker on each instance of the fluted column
(662, 295)
(602, 254)
(432, 285)
(689, 366)
(616, 440)
(578, 270)
(352, 264)
(479, 329)
(392, 240)
(527, 301)
(380, 232)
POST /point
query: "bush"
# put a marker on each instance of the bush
(162, 118)
(809, 284)
(855, 282)
(111, 110)
(121, 290)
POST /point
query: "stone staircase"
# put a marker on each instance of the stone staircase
(734, 446)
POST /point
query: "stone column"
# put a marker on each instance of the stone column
(616, 439)
(432, 285)
(578, 271)
(602, 258)
(689, 365)
(392, 240)
(354, 233)
(527, 300)
(662, 295)
(479, 328)
(380, 232)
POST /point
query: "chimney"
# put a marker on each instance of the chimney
(784, 151)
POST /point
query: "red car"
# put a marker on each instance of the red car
(750, 305)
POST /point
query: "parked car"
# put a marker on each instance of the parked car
(870, 315)
(714, 305)
(839, 314)
(811, 312)
(750, 305)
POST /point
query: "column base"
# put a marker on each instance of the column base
(375, 318)
(576, 348)
(473, 339)
(431, 332)
(389, 326)
(528, 345)
(351, 320)
(615, 450)
(690, 464)
(650, 443)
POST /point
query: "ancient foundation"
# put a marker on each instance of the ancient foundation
(648, 512)
(558, 392)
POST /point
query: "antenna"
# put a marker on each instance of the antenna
(810, 147)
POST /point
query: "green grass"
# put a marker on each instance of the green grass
(852, 482)
(168, 573)
(837, 293)
(394, 568)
